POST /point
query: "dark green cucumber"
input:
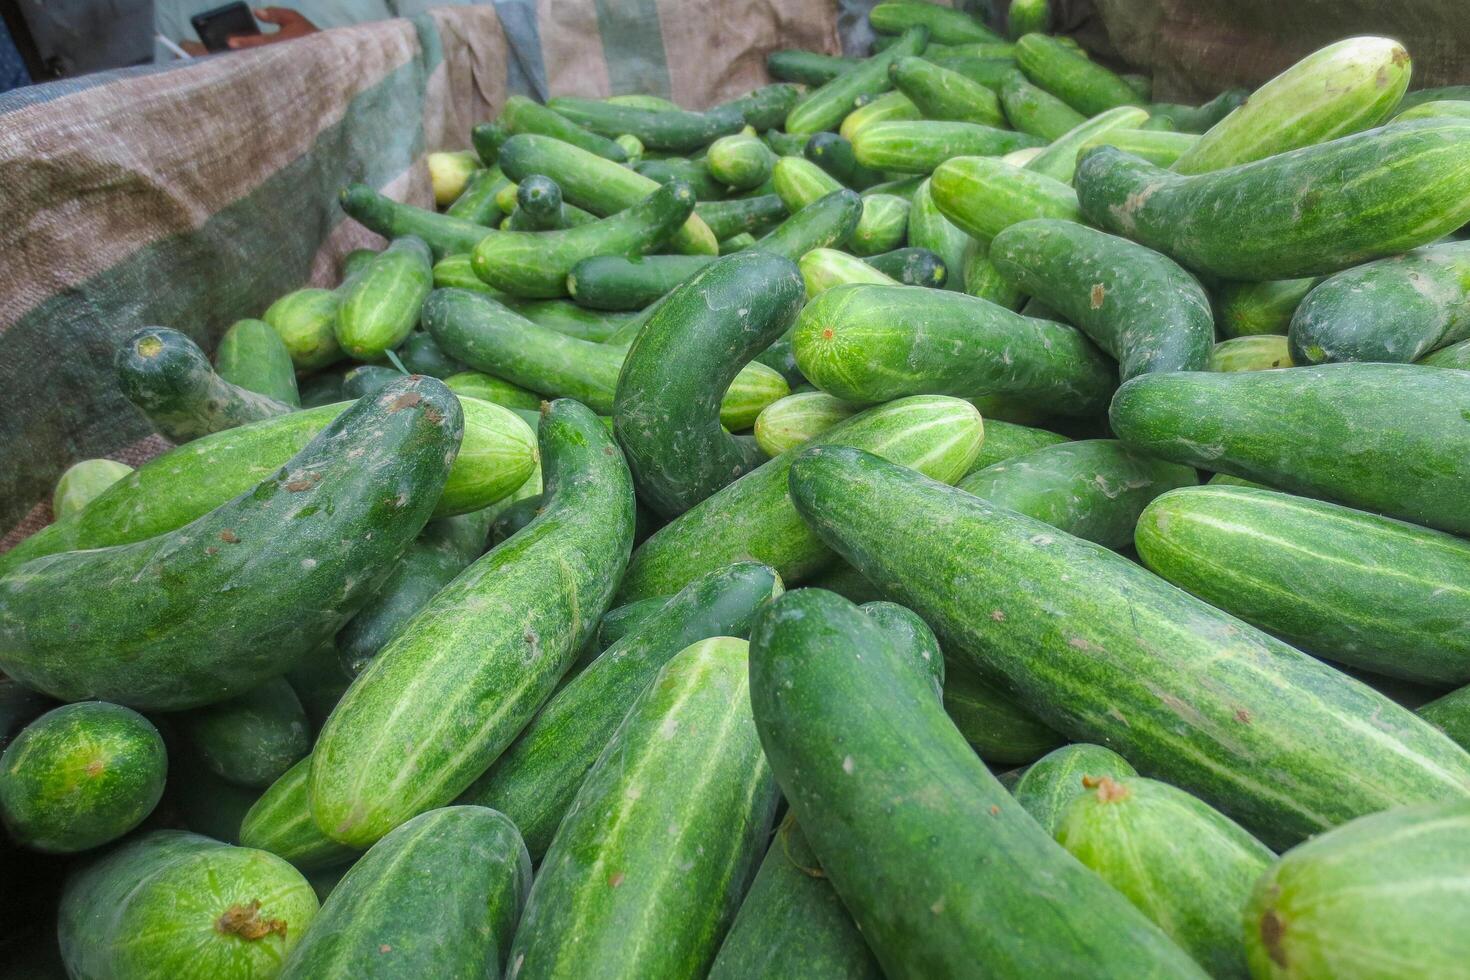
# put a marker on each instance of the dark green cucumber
(535, 264)
(380, 305)
(1450, 714)
(882, 225)
(521, 115)
(798, 418)
(997, 729)
(477, 201)
(486, 138)
(824, 107)
(1189, 694)
(756, 215)
(766, 107)
(437, 897)
(867, 343)
(833, 153)
(478, 677)
(207, 804)
(538, 205)
(1405, 426)
(1198, 119)
(647, 870)
(806, 67)
(1136, 304)
(1305, 212)
(251, 355)
(615, 282)
(666, 130)
(619, 621)
(83, 482)
(1036, 111)
(250, 740)
(1454, 356)
(1263, 352)
(867, 794)
(785, 144)
(919, 146)
(1059, 160)
(1093, 489)
(212, 609)
(1071, 76)
(79, 776)
(1339, 583)
(666, 412)
(355, 260)
(318, 680)
(1052, 782)
(280, 822)
(444, 234)
(1028, 17)
(941, 93)
(695, 173)
(983, 196)
(910, 638)
(992, 72)
(828, 222)
(1244, 309)
(945, 26)
(169, 379)
(1132, 831)
(930, 229)
(912, 266)
(739, 161)
(535, 780)
(420, 355)
(1395, 309)
(368, 379)
(1006, 440)
(983, 280)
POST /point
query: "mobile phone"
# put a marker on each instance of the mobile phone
(216, 27)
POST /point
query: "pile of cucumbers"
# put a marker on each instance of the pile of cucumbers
(941, 514)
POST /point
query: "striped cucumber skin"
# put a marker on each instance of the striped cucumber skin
(945, 26)
(867, 343)
(806, 67)
(251, 355)
(250, 740)
(212, 609)
(799, 418)
(799, 182)
(828, 222)
(83, 482)
(280, 822)
(444, 234)
(754, 518)
(616, 282)
(1059, 160)
(1071, 76)
(665, 130)
(983, 196)
(1051, 783)
(833, 153)
(824, 107)
(1245, 309)
(944, 94)
(1181, 862)
(1450, 714)
(1382, 896)
(1159, 147)
(1305, 212)
(918, 147)
(1006, 440)
(1034, 110)
(1339, 583)
(1093, 489)
(903, 816)
(755, 215)
(928, 228)
(912, 266)
(1454, 356)
(1185, 692)
(1136, 304)
(477, 201)
(882, 225)
(1262, 352)
(306, 320)
(1396, 309)
(380, 304)
(536, 779)
(1288, 429)
(1428, 110)
(437, 897)
(997, 729)
(1340, 89)
(891, 107)
(521, 115)
(739, 161)
(824, 268)
(647, 870)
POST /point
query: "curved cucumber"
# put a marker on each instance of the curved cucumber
(616, 282)
(521, 115)
(1244, 309)
(1052, 782)
(917, 147)
(944, 94)
(824, 107)
(1059, 160)
(251, 355)
(806, 67)
(280, 822)
(380, 304)
(945, 26)
(740, 161)
(1071, 76)
(1033, 110)
(665, 130)
(755, 215)
(253, 739)
(1263, 352)
(828, 222)
(1006, 440)
(983, 196)
(83, 482)
(443, 233)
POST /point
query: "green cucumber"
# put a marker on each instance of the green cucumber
(736, 243)
(1093, 489)
(1052, 782)
(535, 780)
(945, 26)
(538, 205)
(280, 822)
(666, 413)
(618, 622)
(868, 343)
(1034, 110)
(444, 234)
(1160, 123)
(1288, 429)
(1071, 76)
(930, 229)
(828, 222)
(420, 355)
(911, 639)
(570, 319)
(251, 355)
(695, 173)
(1133, 831)
(642, 101)
(250, 740)
(1161, 148)
(756, 215)
(1261, 352)
(753, 517)
(647, 870)
(766, 107)
(892, 107)
(882, 225)
(912, 266)
(508, 197)
(168, 378)
(1028, 17)
(1182, 690)
(784, 144)
(1305, 212)
(1059, 160)
(823, 268)
(1340, 89)
(207, 611)
(478, 677)
(740, 161)
(438, 897)
(318, 680)
(824, 107)
(1198, 119)
(1006, 440)
(1245, 309)
(521, 115)
(799, 182)
(485, 387)
(1339, 583)
(833, 153)
(477, 201)
(1423, 95)
(918, 147)
(806, 67)
(175, 904)
(83, 482)
(983, 196)
(354, 261)
(944, 94)
(79, 776)
(455, 271)
(368, 379)
(994, 73)
(380, 305)
(616, 282)
(987, 49)
(997, 729)
(487, 138)
(866, 793)
(1450, 713)
(1133, 302)
(799, 418)
(983, 279)
(665, 130)
(1454, 356)
(1428, 110)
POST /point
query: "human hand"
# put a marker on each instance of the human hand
(291, 23)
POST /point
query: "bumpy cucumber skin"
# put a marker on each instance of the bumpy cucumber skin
(83, 482)
(983, 196)
(1133, 302)
(944, 94)
(1450, 714)
(1245, 309)
(1059, 160)
(214, 608)
(1262, 352)
(1071, 76)
(754, 518)
(665, 130)
(615, 282)
(918, 147)
(828, 222)
(79, 776)
(1035, 111)
(521, 115)
(1305, 212)
(252, 356)
(1287, 429)
(536, 779)
(930, 229)
(253, 739)
(444, 234)
(380, 305)
(647, 869)
(799, 418)
(437, 897)
(865, 796)
(870, 343)
(806, 67)
(824, 107)
(1184, 691)
(280, 822)
(479, 676)
(1396, 309)
(1006, 440)
(1052, 782)
(945, 26)
(755, 215)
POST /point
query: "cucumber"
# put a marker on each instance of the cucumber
(740, 161)
(882, 225)
(945, 26)
(491, 389)
(1381, 896)
(380, 305)
(666, 413)
(799, 182)
(944, 94)
(280, 822)
(1288, 429)
(693, 172)
(83, 482)
(799, 418)
(918, 147)
(1450, 713)
(79, 776)
(1059, 160)
(1340, 89)
(420, 355)
(912, 266)
(992, 72)
(833, 153)
(826, 106)
(756, 215)
(1429, 110)
(806, 67)
(615, 282)
(930, 229)
(1028, 17)
(1000, 732)
(829, 221)
(823, 268)
(1198, 119)
(983, 280)
(478, 677)
(911, 639)
(1245, 309)
(1133, 832)
(1160, 123)
(665, 130)
(1339, 583)
(250, 740)
(175, 904)
(1262, 352)
(438, 897)
(737, 243)
(1071, 76)
(477, 201)
(487, 138)
(319, 681)
(538, 206)
(1006, 440)
(766, 107)
(251, 355)
(642, 101)
(168, 378)
(1052, 782)
(535, 264)
(521, 115)
(568, 318)
(455, 271)
(891, 107)
(354, 261)
(869, 343)
(205, 803)
(1423, 95)
(988, 49)
(535, 780)
(1183, 691)
(618, 622)
(863, 793)
(1093, 489)
(1035, 111)
(1454, 356)
(983, 196)
(1305, 212)
(444, 234)
(1157, 147)
(368, 379)
(1131, 301)
(753, 517)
